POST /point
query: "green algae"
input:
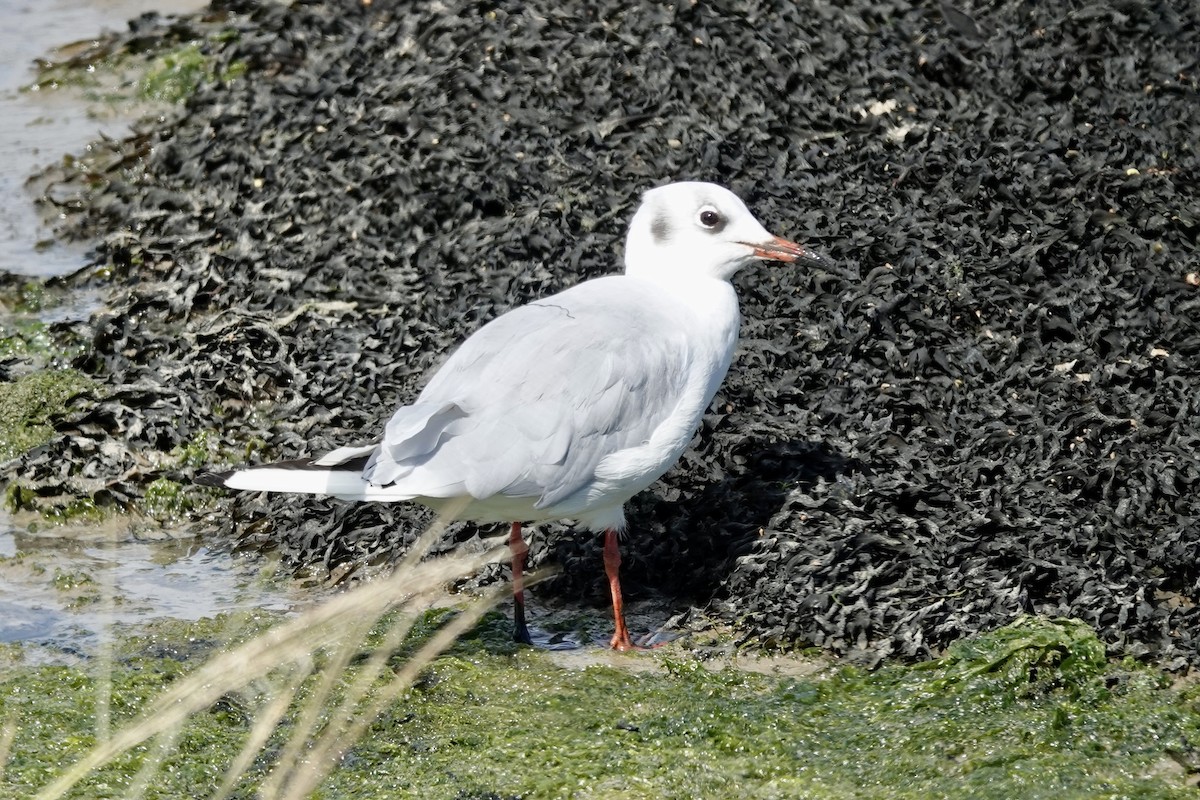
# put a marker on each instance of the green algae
(170, 502)
(198, 451)
(1033, 710)
(26, 296)
(166, 501)
(28, 403)
(65, 581)
(116, 71)
(173, 76)
(40, 383)
(34, 341)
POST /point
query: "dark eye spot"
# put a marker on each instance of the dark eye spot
(660, 228)
(710, 219)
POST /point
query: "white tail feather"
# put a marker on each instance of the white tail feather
(346, 484)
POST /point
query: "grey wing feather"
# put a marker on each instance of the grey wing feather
(533, 401)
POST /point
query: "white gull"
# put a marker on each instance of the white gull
(566, 407)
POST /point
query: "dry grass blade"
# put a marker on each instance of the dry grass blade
(104, 653)
(294, 754)
(318, 699)
(290, 644)
(7, 734)
(352, 721)
(265, 723)
(164, 743)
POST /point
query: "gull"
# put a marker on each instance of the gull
(568, 406)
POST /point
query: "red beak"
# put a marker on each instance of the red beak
(778, 249)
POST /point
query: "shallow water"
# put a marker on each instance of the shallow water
(61, 588)
(40, 127)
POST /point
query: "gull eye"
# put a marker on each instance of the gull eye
(709, 218)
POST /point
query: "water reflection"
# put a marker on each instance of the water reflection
(63, 591)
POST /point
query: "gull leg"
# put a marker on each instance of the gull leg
(612, 566)
(516, 543)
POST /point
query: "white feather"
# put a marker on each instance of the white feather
(342, 455)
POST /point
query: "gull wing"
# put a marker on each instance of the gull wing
(531, 403)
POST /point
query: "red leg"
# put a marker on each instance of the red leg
(519, 550)
(612, 566)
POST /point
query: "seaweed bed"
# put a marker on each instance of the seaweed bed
(997, 415)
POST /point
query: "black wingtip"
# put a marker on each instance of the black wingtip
(216, 479)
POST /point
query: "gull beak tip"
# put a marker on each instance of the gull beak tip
(780, 249)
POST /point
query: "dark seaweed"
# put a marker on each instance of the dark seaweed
(997, 415)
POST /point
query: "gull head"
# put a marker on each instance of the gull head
(700, 230)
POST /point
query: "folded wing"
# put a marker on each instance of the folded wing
(533, 401)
